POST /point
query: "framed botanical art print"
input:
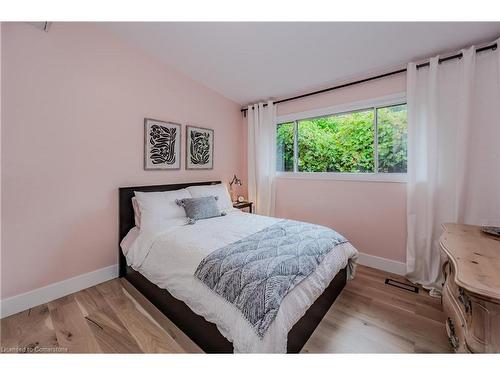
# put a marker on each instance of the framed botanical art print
(199, 148)
(162, 144)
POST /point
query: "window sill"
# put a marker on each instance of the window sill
(367, 177)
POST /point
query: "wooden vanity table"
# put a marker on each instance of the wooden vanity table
(471, 292)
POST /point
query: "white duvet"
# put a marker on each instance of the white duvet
(169, 260)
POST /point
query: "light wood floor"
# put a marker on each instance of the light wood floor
(368, 317)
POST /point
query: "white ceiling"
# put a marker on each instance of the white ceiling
(248, 62)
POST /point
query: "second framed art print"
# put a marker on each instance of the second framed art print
(199, 148)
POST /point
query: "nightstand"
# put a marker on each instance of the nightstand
(241, 205)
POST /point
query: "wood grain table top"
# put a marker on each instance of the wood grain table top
(476, 258)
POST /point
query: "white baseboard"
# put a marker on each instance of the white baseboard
(21, 302)
(384, 264)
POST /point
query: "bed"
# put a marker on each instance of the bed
(206, 334)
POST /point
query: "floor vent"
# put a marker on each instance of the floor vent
(397, 284)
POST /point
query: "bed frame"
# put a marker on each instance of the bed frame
(203, 333)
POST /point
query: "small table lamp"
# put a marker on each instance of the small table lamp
(236, 181)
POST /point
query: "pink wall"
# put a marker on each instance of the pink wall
(73, 102)
(371, 214)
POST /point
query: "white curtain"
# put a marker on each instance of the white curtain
(262, 157)
(453, 154)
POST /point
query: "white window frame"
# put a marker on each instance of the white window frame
(385, 101)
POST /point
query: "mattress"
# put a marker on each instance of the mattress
(169, 260)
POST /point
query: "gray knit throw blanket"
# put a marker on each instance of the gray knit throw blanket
(256, 272)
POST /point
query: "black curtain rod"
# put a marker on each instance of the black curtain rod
(423, 65)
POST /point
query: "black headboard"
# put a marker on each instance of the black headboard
(126, 212)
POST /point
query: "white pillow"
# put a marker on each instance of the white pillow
(159, 208)
(219, 190)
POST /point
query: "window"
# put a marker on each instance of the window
(371, 140)
(285, 146)
(392, 139)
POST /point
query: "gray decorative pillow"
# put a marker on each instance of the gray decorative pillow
(200, 208)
